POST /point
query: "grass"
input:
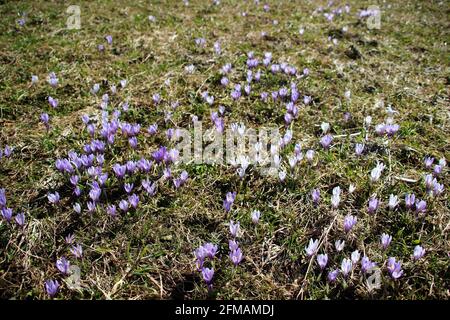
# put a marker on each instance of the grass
(148, 254)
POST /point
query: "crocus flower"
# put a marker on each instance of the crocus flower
(77, 251)
(359, 148)
(45, 118)
(109, 39)
(332, 275)
(339, 244)
(53, 197)
(128, 187)
(336, 198)
(367, 265)
(7, 151)
(311, 248)
(133, 200)
(208, 275)
(210, 250)
(346, 266)
(229, 199)
(393, 202)
(52, 102)
(256, 214)
(310, 155)
(385, 240)
(123, 205)
(437, 170)
(34, 79)
(20, 219)
(232, 245)
(322, 260)
(7, 214)
(111, 210)
(234, 228)
(375, 174)
(69, 239)
(421, 206)
(409, 200)
(63, 265)
(315, 194)
(419, 252)
(2, 198)
(349, 222)
(77, 208)
(428, 162)
(119, 170)
(355, 256)
(394, 268)
(236, 256)
(51, 286)
(373, 205)
(326, 140)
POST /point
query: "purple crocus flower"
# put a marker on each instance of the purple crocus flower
(153, 129)
(128, 187)
(208, 275)
(256, 214)
(373, 205)
(394, 268)
(209, 250)
(312, 247)
(51, 286)
(149, 187)
(63, 265)
(7, 214)
(232, 245)
(315, 194)
(119, 170)
(322, 260)
(53, 197)
(111, 210)
(419, 252)
(437, 170)
(95, 192)
(326, 140)
(53, 102)
(2, 198)
(359, 148)
(428, 162)
(133, 200)
(346, 266)
(20, 219)
(234, 228)
(160, 154)
(236, 256)
(421, 206)
(385, 240)
(7, 151)
(77, 251)
(367, 265)
(332, 275)
(45, 118)
(123, 205)
(69, 239)
(229, 199)
(52, 79)
(109, 39)
(409, 200)
(349, 222)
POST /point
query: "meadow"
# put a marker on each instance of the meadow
(346, 199)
